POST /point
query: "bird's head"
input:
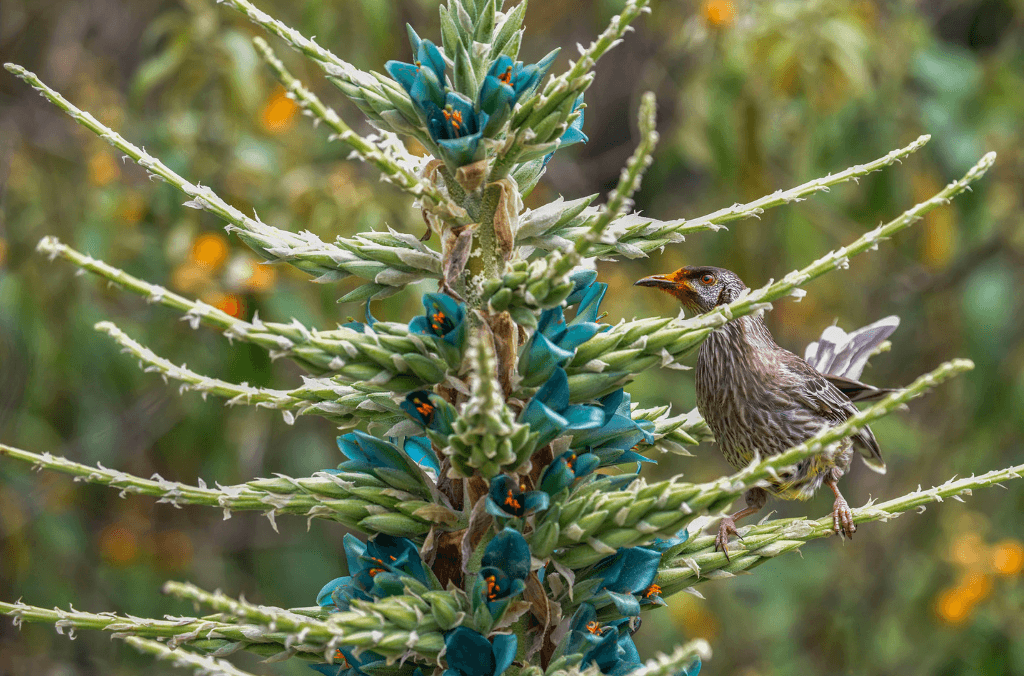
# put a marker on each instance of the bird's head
(699, 289)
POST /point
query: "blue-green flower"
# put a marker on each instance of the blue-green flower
(421, 451)
(444, 320)
(565, 469)
(374, 456)
(339, 593)
(607, 645)
(612, 442)
(626, 574)
(663, 545)
(430, 410)
(507, 499)
(424, 79)
(505, 566)
(506, 82)
(582, 280)
(550, 415)
(555, 341)
(376, 569)
(469, 653)
(457, 127)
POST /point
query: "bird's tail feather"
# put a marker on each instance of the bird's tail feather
(842, 354)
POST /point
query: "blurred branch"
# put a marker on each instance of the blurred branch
(631, 347)
(698, 561)
(595, 522)
(349, 498)
(639, 235)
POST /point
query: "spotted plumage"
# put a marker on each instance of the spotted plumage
(760, 399)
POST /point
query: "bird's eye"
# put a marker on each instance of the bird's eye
(708, 279)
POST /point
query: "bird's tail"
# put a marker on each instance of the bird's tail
(844, 355)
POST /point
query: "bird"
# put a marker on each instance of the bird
(760, 399)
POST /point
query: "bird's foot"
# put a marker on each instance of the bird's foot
(726, 528)
(842, 518)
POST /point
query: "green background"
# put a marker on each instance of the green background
(753, 97)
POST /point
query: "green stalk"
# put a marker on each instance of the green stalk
(699, 562)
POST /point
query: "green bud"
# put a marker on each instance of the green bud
(596, 347)
(587, 386)
(515, 278)
(524, 317)
(425, 368)
(446, 615)
(501, 300)
(539, 288)
(544, 539)
(398, 525)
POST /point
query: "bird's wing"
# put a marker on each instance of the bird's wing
(819, 395)
(858, 391)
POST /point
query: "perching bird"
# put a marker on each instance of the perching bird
(759, 398)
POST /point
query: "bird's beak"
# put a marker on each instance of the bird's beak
(663, 282)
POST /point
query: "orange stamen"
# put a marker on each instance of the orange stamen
(492, 587)
(653, 590)
(506, 77)
(594, 627)
(511, 501)
(454, 117)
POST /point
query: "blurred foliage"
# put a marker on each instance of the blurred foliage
(755, 96)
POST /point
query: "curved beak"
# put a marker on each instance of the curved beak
(657, 282)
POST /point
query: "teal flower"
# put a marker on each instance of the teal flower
(673, 542)
(374, 456)
(554, 342)
(506, 82)
(613, 441)
(469, 653)
(346, 663)
(457, 127)
(565, 469)
(550, 415)
(626, 574)
(424, 79)
(339, 593)
(421, 451)
(582, 280)
(506, 499)
(505, 566)
(609, 646)
(430, 410)
(444, 320)
(376, 569)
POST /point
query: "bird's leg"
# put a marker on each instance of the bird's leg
(842, 517)
(756, 499)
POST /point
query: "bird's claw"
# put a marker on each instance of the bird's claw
(726, 528)
(842, 519)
